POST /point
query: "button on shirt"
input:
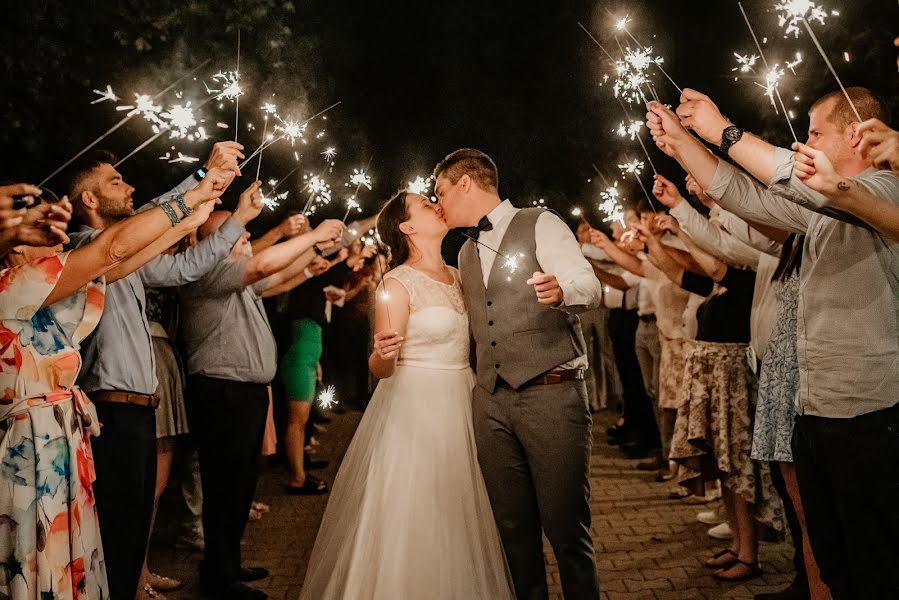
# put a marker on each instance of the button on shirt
(558, 253)
(848, 314)
(118, 355)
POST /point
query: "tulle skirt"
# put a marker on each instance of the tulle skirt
(409, 516)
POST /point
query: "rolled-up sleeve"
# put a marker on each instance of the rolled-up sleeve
(713, 240)
(192, 264)
(559, 254)
(737, 192)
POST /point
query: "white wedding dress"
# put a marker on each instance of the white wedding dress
(409, 517)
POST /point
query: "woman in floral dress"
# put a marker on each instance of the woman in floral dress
(50, 545)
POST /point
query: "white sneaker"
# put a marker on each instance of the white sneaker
(721, 532)
(708, 517)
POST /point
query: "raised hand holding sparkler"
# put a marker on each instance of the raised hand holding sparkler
(666, 192)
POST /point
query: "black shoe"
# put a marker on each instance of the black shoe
(637, 450)
(252, 573)
(239, 591)
(616, 430)
(798, 590)
(311, 464)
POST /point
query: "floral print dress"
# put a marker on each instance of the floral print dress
(50, 545)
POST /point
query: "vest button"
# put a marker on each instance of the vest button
(496, 365)
(489, 303)
(490, 323)
(493, 343)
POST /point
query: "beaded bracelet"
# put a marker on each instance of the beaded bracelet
(170, 213)
(181, 204)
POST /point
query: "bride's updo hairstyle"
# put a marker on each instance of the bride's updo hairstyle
(392, 214)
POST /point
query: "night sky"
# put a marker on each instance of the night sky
(518, 80)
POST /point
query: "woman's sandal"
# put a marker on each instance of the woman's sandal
(714, 563)
(748, 571)
(313, 486)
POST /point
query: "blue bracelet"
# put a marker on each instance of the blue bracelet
(170, 213)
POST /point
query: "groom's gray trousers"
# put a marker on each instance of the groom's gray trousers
(534, 451)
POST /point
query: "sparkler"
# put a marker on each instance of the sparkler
(745, 62)
(360, 178)
(273, 201)
(796, 11)
(118, 125)
(329, 153)
(237, 97)
(792, 65)
(105, 95)
(621, 25)
(290, 130)
(611, 204)
(771, 76)
(632, 130)
(328, 397)
(576, 212)
(351, 205)
(420, 185)
(635, 167)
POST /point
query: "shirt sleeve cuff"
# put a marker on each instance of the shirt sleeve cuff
(681, 212)
(724, 175)
(783, 166)
(232, 229)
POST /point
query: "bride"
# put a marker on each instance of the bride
(409, 516)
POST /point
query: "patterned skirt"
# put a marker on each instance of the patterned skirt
(713, 432)
(49, 533)
(671, 372)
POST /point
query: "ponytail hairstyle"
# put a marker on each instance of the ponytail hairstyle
(790, 258)
(393, 213)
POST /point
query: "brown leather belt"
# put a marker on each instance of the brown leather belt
(557, 377)
(116, 397)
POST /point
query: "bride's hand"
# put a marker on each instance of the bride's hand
(387, 344)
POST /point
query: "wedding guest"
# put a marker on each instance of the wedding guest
(119, 371)
(840, 423)
(230, 355)
(51, 300)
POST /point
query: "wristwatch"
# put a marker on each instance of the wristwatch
(729, 137)
(199, 174)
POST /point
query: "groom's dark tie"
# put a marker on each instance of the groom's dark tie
(484, 224)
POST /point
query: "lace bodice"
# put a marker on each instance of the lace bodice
(437, 333)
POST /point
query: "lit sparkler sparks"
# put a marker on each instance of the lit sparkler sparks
(793, 64)
(228, 86)
(512, 262)
(351, 205)
(793, 12)
(621, 24)
(745, 62)
(328, 397)
(635, 167)
(143, 106)
(182, 158)
(360, 178)
(105, 95)
(420, 185)
(630, 129)
(269, 108)
(611, 204)
(273, 201)
(576, 211)
(182, 123)
(330, 153)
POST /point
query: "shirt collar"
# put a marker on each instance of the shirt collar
(500, 212)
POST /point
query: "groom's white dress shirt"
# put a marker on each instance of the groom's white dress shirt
(558, 253)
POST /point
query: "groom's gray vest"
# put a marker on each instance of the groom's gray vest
(516, 337)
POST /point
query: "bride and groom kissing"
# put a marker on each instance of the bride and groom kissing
(454, 475)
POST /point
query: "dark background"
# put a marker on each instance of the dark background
(518, 80)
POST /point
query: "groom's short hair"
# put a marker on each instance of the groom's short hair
(471, 162)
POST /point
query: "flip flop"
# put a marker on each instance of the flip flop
(754, 570)
(725, 565)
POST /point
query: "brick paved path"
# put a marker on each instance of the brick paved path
(648, 547)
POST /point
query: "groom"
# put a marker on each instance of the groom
(531, 416)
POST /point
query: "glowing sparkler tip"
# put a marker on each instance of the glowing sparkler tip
(360, 178)
(576, 212)
(420, 185)
(793, 12)
(328, 397)
(105, 95)
(329, 153)
(621, 24)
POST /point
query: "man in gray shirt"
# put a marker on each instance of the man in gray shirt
(119, 372)
(231, 359)
(848, 326)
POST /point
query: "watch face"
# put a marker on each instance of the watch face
(732, 134)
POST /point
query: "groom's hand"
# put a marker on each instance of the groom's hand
(548, 290)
